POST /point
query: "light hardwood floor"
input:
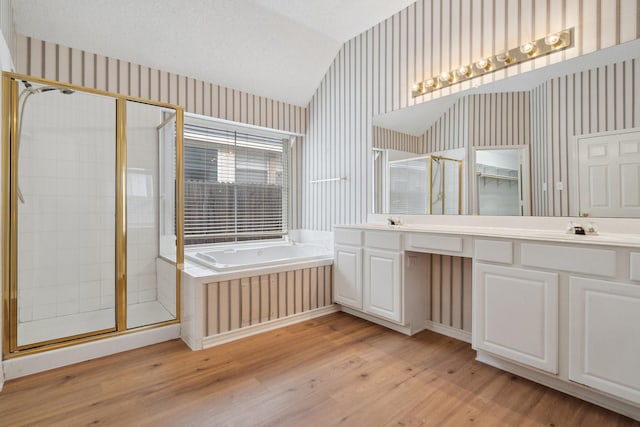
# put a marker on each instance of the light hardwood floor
(334, 370)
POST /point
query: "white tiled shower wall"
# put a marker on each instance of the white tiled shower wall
(142, 201)
(66, 243)
(66, 248)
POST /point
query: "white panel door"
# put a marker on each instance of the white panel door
(347, 276)
(604, 336)
(383, 284)
(515, 314)
(609, 174)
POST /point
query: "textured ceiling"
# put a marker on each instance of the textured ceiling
(279, 49)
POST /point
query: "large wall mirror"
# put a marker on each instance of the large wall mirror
(562, 140)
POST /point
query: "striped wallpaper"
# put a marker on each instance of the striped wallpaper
(56, 62)
(597, 100)
(235, 304)
(449, 281)
(482, 120)
(373, 73)
(450, 131)
(498, 119)
(393, 140)
(7, 25)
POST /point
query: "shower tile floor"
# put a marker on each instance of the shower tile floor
(147, 313)
(43, 330)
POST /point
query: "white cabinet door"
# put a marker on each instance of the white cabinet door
(604, 336)
(383, 278)
(347, 276)
(515, 315)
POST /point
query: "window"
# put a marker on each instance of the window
(236, 185)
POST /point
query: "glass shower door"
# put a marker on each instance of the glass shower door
(66, 186)
(92, 214)
(151, 239)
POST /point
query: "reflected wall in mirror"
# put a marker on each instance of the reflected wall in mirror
(544, 112)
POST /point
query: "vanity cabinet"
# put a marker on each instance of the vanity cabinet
(347, 280)
(604, 336)
(378, 281)
(383, 278)
(516, 315)
(347, 268)
(558, 310)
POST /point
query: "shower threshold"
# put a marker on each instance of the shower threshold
(142, 314)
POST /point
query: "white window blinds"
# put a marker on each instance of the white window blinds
(236, 185)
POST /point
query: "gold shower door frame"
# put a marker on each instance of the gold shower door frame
(442, 183)
(10, 348)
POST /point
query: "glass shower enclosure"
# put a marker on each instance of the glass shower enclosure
(91, 214)
(424, 185)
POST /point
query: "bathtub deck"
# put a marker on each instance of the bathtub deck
(332, 370)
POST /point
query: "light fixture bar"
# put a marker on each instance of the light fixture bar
(548, 44)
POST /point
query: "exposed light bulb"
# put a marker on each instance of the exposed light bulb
(430, 83)
(445, 77)
(528, 48)
(483, 64)
(504, 57)
(552, 39)
(464, 71)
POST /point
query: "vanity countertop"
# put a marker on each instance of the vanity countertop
(546, 235)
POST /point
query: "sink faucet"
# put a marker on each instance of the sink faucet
(573, 228)
(393, 221)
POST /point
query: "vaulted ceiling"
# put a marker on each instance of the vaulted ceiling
(279, 49)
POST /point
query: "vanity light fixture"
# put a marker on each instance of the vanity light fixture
(528, 48)
(464, 72)
(419, 88)
(504, 57)
(552, 39)
(550, 43)
(483, 65)
(445, 77)
(430, 83)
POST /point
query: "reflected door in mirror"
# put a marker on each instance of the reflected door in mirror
(609, 174)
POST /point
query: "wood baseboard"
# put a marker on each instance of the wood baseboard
(449, 331)
(373, 319)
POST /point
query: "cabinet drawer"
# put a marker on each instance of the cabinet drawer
(425, 242)
(349, 237)
(597, 262)
(493, 251)
(383, 240)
